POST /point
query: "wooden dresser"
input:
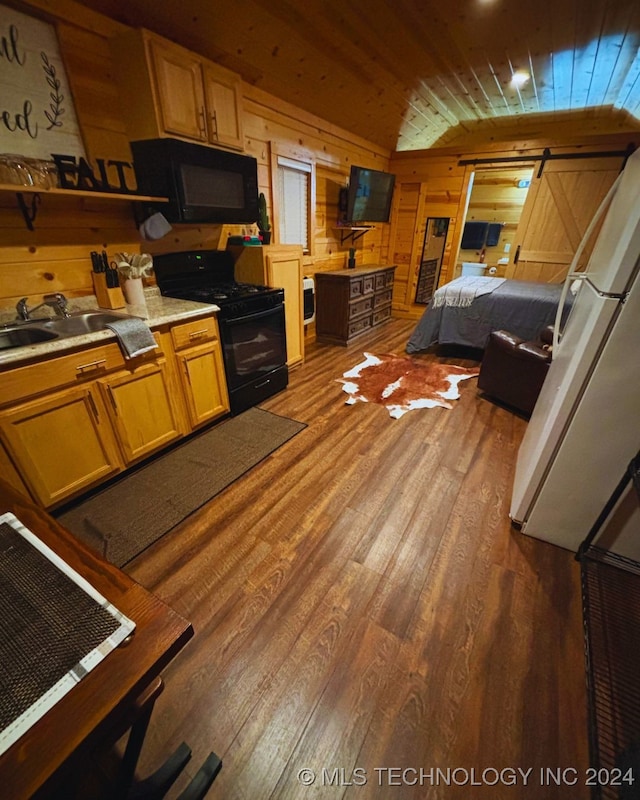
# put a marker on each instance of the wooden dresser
(351, 301)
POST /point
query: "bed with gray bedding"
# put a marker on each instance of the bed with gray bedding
(521, 307)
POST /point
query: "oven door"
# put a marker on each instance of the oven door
(254, 345)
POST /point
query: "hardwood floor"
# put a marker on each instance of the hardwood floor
(362, 606)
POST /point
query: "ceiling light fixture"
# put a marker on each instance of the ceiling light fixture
(519, 78)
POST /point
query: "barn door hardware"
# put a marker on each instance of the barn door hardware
(547, 155)
(29, 210)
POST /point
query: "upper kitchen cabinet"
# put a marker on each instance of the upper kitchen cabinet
(169, 91)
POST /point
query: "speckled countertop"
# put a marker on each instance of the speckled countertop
(156, 311)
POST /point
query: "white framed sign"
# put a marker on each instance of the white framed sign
(37, 117)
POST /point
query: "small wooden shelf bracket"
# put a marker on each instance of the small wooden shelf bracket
(29, 210)
(353, 232)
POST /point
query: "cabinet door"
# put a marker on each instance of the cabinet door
(284, 270)
(10, 474)
(178, 78)
(61, 444)
(203, 381)
(141, 409)
(223, 96)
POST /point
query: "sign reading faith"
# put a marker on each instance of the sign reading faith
(37, 117)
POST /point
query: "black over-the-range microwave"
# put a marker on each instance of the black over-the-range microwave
(203, 184)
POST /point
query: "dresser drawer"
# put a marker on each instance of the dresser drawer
(381, 315)
(383, 298)
(360, 307)
(358, 326)
(361, 286)
(380, 281)
(199, 330)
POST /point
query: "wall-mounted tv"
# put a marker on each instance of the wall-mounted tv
(477, 235)
(369, 195)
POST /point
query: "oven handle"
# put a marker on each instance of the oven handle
(259, 315)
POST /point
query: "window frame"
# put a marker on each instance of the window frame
(290, 157)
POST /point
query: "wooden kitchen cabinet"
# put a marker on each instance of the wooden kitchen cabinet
(10, 474)
(350, 302)
(68, 423)
(62, 443)
(201, 369)
(279, 266)
(142, 410)
(170, 91)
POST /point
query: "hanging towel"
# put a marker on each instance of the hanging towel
(134, 336)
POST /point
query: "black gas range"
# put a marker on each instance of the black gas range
(207, 276)
(251, 320)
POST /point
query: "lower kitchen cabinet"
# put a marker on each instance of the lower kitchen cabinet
(205, 393)
(10, 474)
(70, 422)
(62, 443)
(200, 367)
(142, 410)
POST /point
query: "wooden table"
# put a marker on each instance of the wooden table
(102, 705)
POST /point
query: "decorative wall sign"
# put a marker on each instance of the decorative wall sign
(81, 175)
(37, 116)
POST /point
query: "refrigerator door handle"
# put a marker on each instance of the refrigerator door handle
(572, 275)
(600, 293)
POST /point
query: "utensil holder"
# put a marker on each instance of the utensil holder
(106, 296)
(133, 291)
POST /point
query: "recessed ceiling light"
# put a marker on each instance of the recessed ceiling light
(519, 78)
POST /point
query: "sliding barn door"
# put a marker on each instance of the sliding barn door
(558, 209)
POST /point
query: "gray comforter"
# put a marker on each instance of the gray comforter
(521, 307)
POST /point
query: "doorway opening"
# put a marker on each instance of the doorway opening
(495, 202)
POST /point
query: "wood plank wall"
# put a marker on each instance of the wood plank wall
(55, 256)
(433, 183)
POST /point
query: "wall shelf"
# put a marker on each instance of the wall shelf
(30, 209)
(352, 232)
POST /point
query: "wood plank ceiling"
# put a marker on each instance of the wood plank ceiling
(410, 74)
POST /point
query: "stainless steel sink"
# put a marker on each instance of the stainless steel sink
(35, 331)
(78, 324)
(21, 336)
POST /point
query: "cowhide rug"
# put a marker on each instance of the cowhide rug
(401, 384)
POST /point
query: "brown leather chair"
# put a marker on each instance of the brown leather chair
(513, 370)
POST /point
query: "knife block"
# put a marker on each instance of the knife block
(106, 296)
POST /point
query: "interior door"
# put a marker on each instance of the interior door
(559, 207)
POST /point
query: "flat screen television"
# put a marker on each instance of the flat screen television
(369, 195)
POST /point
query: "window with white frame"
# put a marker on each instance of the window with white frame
(294, 192)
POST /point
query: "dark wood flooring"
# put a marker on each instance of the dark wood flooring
(363, 607)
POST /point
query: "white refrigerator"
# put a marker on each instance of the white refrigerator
(585, 427)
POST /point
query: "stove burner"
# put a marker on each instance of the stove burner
(208, 277)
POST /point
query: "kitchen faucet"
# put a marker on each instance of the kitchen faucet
(56, 301)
